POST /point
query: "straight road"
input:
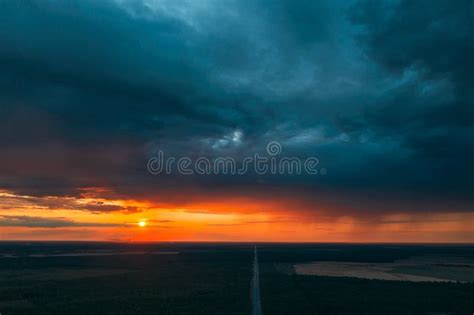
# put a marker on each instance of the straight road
(256, 303)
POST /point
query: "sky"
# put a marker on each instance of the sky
(378, 94)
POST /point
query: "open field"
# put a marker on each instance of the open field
(284, 291)
(416, 269)
(361, 270)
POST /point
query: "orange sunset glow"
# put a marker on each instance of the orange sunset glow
(67, 218)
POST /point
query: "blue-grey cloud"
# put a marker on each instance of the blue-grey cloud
(380, 92)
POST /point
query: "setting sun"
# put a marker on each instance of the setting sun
(142, 223)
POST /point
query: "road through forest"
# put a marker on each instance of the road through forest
(255, 294)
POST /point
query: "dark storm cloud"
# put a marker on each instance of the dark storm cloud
(427, 46)
(380, 92)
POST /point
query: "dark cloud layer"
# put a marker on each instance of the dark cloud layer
(42, 222)
(379, 91)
